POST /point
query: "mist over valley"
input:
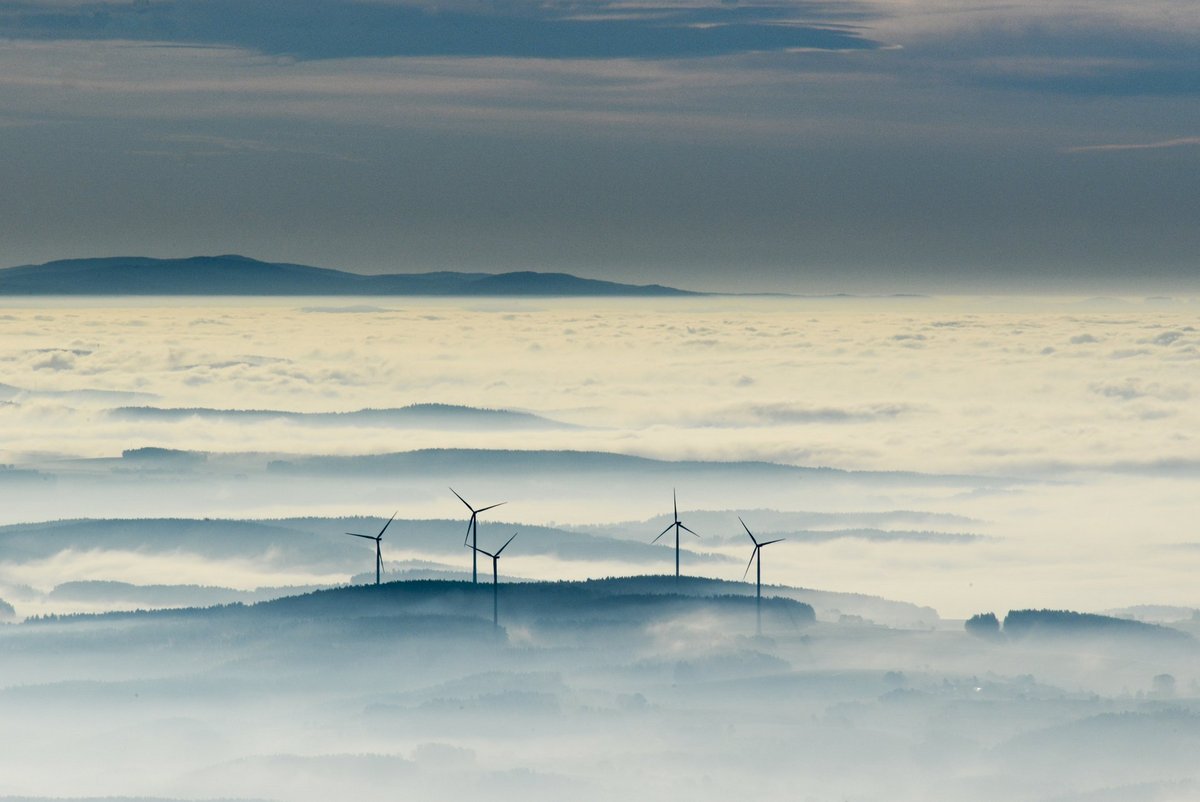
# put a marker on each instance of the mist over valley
(977, 520)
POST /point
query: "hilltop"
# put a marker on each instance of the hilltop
(573, 605)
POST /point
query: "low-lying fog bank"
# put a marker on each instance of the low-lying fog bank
(645, 687)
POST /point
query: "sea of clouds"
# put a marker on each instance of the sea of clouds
(1075, 419)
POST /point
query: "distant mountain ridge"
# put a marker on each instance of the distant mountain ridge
(452, 416)
(231, 274)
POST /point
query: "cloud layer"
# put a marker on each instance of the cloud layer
(876, 385)
(1084, 409)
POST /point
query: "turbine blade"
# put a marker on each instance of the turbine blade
(368, 537)
(684, 528)
(463, 500)
(675, 503)
(467, 537)
(776, 540)
(663, 532)
(389, 523)
(748, 532)
(753, 554)
(494, 506)
(505, 546)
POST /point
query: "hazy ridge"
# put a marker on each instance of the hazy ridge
(318, 545)
(239, 275)
(441, 415)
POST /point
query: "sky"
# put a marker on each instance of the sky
(879, 146)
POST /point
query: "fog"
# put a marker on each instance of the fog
(850, 383)
(923, 460)
(587, 691)
(1046, 440)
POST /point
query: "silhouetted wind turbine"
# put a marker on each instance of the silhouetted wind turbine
(378, 548)
(677, 525)
(756, 553)
(495, 576)
(473, 532)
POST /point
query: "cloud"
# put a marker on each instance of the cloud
(816, 399)
(320, 29)
(1129, 353)
(1136, 388)
(1180, 142)
(872, 535)
(783, 413)
(977, 399)
(56, 361)
(1127, 391)
(1166, 338)
(163, 568)
(355, 309)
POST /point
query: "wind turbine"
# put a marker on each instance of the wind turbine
(495, 576)
(677, 525)
(378, 548)
(756, 553)
(473, 532)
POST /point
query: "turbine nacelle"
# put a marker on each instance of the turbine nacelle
(676, 525)
(757, 552)
(499, 551)
(378, 545)
(472, 535)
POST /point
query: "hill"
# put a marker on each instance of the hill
(239, 275)
(513, 462)
(578, 605)
(1057, 624)
(450, 416)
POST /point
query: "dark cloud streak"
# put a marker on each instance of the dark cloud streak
(318, 29)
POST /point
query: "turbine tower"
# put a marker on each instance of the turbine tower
(378, 548)
(472, 533)
(756, 553)
(495, 577)
(677, 525)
